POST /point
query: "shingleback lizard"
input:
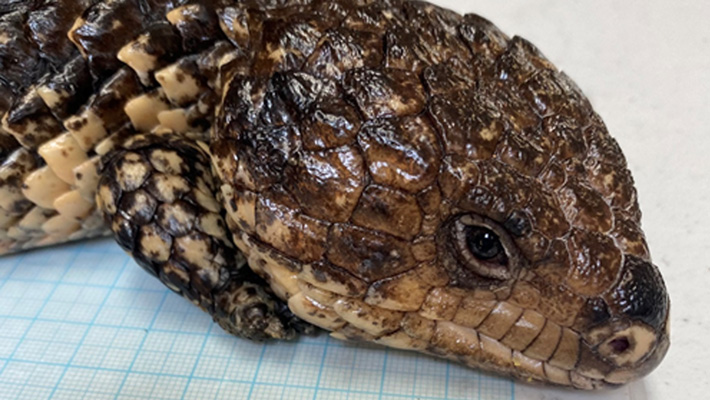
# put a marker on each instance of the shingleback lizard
(389, 171)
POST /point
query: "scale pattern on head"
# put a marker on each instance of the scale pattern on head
(405, 175)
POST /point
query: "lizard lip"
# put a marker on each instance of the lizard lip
(624, 356)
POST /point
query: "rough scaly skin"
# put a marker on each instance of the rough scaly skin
(157, 194)
(357, 145)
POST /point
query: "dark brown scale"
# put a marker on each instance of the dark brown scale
(170, 240)
(109, 100)
(99, 40)
(595, 312)
(31, 121)
(74, 84)
(468, 123)
(390, 211)
(109, 25)
(373, 17)
(301, 91)
(198, 25)
(435, 40)
(243, 103)
(20, 66)
(9, 6)
(386, 93)
(342, 49)
(162, 43)
(48, 27)
(401, 153)
(234, 24)
(448, 76)
(20, 62)
(287, 43)
(197, 118)
(368, 255)
(7, 145)
(641, 294)
(7, 95)
(329, 124)
(334, 179)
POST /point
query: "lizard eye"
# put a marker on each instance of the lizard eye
(483, 243)
(484, 247)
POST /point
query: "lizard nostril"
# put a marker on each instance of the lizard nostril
(620, 345)
(630, 346)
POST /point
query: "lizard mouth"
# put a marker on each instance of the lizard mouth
(505, 335)
(563, 358)
(500, 336)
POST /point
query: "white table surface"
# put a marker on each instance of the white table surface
(645, 65)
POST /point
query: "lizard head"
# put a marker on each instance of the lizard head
(552, 279)
(474, 208)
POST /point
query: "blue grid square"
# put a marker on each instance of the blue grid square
(77, 379)
(24, 298)
(83, 269)
(232, 390)
(8, 265)
(11, 391)
(74, 303)
(168, 387)
(265, 392)
(138, 385)
(105, 382)
(12, 331)
(211, 367)
(199, 389)
(46, 265)
(93, 325)
(35, 393)
(118, 359)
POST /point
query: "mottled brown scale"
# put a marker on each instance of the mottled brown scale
(30, 121)
(19, 58)
(389, 211)
(279, 224)
(467, 126)
(368, 255)
(108, 102)
(328, 184)
(72, 85)
(341, 49)
(391, 171)
(385, 93)
(329, 124)
(401, 153)
(164, 230)
(197, 23)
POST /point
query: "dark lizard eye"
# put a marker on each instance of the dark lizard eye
(483, 243)
(484, 247)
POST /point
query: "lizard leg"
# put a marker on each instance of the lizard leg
(158, 196)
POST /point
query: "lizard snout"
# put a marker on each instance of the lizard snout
(634, 337)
